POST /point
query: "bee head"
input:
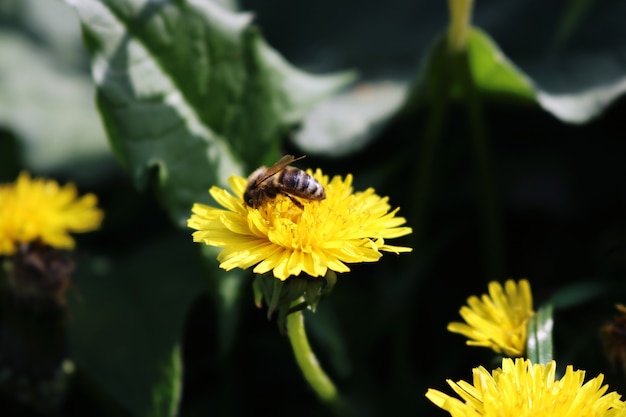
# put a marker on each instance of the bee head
(250, 198)
(247, 199)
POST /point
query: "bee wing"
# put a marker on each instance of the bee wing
(281, 164)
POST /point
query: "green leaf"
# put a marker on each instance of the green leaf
(578, 69)
(190, 93)
(573, 14)
(127, 322)
(226, 290)
(493, 72)
(539, 343)
(168, 389)
(496, 74)
(576, 293)
(49, 109)
(497, 77)
(349, 121)
(60, 36)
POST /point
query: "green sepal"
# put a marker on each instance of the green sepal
(331, 280)
(258, 293)
(317, 289)
(539, 341)
(280, 296)
(314, 292)
(274, 296)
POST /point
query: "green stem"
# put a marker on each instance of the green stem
(490, 211)
(424, 168)
(308, 363)
(460, 17)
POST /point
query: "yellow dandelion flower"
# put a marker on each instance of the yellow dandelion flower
(41, 210)
(499, 320)
(279, 236)
(520, 388)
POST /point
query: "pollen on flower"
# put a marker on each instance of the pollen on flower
(345, 227)
(41, 210)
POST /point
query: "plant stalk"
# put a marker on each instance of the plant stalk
(460, 18)
(310, 366)
(490, 209)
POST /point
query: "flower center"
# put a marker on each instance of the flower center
(291, 226)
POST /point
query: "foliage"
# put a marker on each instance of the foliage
(506, 158)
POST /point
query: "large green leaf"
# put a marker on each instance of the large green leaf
(490, 71)
(347, 122)
(191, 89)
(49, 109)
(498, 77)
(167, 392)
(496, 74)
(577, 293)
(572, 50)
(127, 323)
(493, 72)
(574, 53)
(226, 290)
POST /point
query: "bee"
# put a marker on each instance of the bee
(266, 183)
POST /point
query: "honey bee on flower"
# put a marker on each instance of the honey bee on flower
(290, 234)
(265, 183)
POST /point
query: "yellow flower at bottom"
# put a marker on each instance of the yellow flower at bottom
(281, 237)
(498, 320)
(40, 209)
(521, 389)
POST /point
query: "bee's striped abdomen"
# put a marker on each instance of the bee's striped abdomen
(296, 182)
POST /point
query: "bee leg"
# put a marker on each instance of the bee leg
(294, 201)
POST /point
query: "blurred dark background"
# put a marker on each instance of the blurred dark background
(560, 195)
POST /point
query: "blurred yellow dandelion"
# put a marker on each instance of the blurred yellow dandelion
(520, 388)
(499, 320)
(279, 236)
(41, 210)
